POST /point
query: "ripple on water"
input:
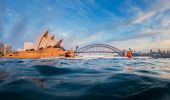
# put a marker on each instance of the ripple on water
(98, 79)
(128, 86)
(20, 61)
(51, 70)
(142, 71)
(3, 75)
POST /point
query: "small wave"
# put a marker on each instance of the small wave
(106, 79)
(51, 70)
(3, 75)
(147, 72)
(20, 61)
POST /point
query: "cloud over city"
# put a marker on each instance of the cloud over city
(141, 25)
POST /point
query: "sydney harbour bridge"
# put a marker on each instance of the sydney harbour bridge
(99, 49)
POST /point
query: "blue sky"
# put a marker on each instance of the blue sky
(138, 24)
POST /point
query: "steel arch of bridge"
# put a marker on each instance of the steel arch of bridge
(86, 48)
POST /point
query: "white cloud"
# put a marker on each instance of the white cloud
(142, 44)
(81, 40)
(158, 7)
(161, 39)
(49, 8)
(142, 17)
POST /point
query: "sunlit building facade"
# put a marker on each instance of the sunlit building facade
(44, 41)
(5, 49)
(46, 45)
(28, 46)
(1, 48)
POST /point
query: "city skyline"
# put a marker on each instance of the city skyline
(136, 24)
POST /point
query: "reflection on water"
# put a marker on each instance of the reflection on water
(100, 79)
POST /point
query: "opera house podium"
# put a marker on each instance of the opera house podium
(46, 45)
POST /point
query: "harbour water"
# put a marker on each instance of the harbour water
(88, 79)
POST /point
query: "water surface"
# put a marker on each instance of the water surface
(95, 79)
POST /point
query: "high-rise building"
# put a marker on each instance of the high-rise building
(151, 51)
(1, 48)
(7, 49)
(4, 48)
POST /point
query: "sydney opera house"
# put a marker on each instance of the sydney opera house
(46, 45)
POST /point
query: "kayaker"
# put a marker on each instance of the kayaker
(129, 53)
(69, 53)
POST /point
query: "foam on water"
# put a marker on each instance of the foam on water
(84, 79)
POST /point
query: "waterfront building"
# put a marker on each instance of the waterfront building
(44, 41)
(28, 46)
(46, 45)
(7, 49)
(151, 51)
(1, 48)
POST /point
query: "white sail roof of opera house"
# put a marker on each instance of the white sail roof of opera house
(45, 40)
